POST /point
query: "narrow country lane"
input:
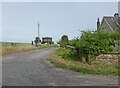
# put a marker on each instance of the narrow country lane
(31, 68)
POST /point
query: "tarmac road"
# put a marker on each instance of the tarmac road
(31, 68)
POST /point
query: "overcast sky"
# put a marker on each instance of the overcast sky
(19, 20)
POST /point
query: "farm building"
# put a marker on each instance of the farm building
(47, 40)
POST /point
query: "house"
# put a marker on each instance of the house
(47, 40)
(109, 23)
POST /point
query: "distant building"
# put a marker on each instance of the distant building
(47, 40)
(109, 23)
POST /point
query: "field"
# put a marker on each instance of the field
(11, 47)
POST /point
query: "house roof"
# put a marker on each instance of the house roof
(47, 38)
(112, 24)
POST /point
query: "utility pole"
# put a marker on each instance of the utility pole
(38, 32)
(38, 28)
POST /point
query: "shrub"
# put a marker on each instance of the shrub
(64, 41)
(64, 53)
(93, 44)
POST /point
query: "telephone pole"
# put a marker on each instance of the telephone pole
(38, 32)
(38, 28)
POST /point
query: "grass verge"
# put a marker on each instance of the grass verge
(12, 47)
(83, 67)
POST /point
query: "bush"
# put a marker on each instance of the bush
(65, 53)
(63, 41)
(93, 44)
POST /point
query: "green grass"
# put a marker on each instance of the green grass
(44, 46)
(93, 70)
(85, 68)
(47, 46)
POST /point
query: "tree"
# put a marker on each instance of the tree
(37, 40)
(93, 44)
(63, 41)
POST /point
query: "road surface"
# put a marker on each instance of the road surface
(31, 68)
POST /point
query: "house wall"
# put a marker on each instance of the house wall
(47, 39)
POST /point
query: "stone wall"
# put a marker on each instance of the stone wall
(108, 59)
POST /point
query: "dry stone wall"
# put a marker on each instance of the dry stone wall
(108, 59)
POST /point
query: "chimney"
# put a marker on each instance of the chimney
(98, 24)
(116, 16)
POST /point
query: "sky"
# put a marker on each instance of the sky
(19, 19)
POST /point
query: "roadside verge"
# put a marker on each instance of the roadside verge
(84, 68)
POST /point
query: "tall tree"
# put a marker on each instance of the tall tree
(63, 41)
(37, 41)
